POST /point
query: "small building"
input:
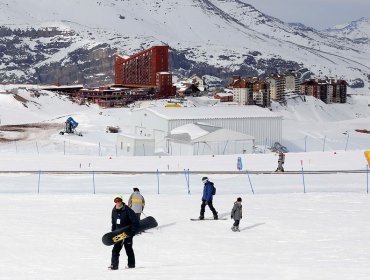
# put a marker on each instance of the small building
(224, 97)
(135, 145)
(204, 139)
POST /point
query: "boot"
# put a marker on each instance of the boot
(201, 217)
(111, 267)
(233, 228)
(215, 216)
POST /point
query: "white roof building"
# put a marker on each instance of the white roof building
(263, 125)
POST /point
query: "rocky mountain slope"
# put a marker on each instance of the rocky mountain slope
(74, 41)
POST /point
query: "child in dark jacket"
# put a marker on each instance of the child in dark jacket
(236, 214)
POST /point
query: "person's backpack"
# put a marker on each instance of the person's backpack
(213, 190)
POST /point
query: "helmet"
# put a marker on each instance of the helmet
(204, 178)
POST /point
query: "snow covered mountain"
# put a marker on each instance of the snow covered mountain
(358, 30)
(74, 40)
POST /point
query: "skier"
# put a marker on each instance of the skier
(236, 214)
(136, 202)
(208, 192)
(123, 216)
(281, 161)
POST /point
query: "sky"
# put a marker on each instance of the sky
(319, 14)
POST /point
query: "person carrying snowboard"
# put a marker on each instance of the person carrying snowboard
(123, 216)
(136, 202)
(236, 214)
(207, 198)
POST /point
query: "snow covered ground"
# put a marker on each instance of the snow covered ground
(51, 224)
(283, 236)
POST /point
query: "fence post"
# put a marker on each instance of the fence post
(157, 181)
(93, 173)
(323, 147)
(187, 179)
(304, 184)
(250, 183)
(345, 149)
(38, 184)
(305, 144)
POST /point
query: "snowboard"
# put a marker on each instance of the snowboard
(120, 234)
(207, 219)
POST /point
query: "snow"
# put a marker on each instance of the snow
(52, 223)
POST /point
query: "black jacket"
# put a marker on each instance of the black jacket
(125, 217)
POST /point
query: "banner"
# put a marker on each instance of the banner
(367, 155)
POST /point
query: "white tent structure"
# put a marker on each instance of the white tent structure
(205, 139)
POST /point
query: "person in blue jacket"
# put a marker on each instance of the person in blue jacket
(123, 216)
(207, 198)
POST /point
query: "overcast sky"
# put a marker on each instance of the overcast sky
(320, 14)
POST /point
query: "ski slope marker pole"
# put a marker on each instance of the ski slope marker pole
(158, 180)
(188, 181)
(367, 178)
(38, 184)
(250, 183)
(304, 184)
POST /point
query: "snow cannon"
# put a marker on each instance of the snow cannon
(71, 125)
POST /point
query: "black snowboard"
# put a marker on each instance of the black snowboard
(207, 219)
(118, 235)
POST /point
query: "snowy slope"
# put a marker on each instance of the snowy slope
(219, 33)
(311, 121)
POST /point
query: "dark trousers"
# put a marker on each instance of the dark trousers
(203, 208)
(127, 243)
(236, 223)
(138, 215)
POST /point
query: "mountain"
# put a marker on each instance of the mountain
(358, 30)
(73, 41)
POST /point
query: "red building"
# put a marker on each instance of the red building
(146, 69)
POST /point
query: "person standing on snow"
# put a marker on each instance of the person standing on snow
(281, 161)
(236, 214)
(123, 216)
(136, 202)
(207, 198)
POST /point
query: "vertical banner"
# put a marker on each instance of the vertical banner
(367, 156)
(239, 164)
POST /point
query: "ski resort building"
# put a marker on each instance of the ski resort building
(250, 91)
(146, 69)
(260, 123)
(328, 90)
